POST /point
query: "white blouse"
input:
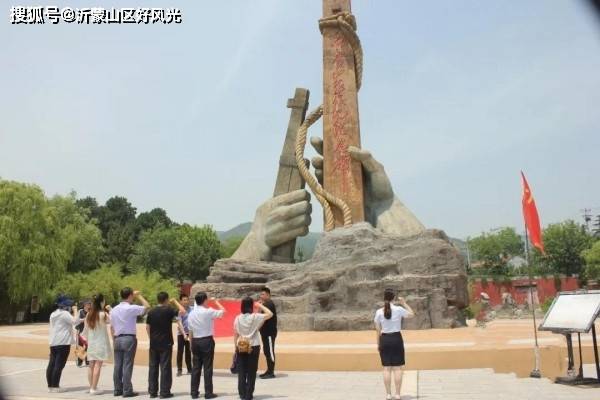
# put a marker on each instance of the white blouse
(62, 325)
(248, 325)
(394, 324)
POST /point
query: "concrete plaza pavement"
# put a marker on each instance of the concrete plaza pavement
(24, 379)
(504, 345)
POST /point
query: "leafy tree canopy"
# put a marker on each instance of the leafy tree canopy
(592, 261)
(496, 248)
(83, 237)
(117, 212)
(35, 247)
(182, 252)
(147, 221)
(564, 243)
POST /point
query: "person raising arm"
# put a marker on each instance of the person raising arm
(388, 325)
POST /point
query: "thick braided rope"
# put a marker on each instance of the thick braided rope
(347, 24)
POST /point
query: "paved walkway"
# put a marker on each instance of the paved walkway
(504, 345)
(23, 379)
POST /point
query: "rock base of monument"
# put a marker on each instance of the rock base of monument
(340, 287)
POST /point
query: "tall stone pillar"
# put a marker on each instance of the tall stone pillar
(341, 175)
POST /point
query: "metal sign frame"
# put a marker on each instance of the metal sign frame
(570, 330)
(579, 379)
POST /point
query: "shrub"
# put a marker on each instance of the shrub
(109, 280)
(546, 304)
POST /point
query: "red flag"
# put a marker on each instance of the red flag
(532, 220)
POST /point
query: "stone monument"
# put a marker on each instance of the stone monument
(372, 241)
(288, 176)
(341, 82)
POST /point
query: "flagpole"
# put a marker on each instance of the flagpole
(536, 369)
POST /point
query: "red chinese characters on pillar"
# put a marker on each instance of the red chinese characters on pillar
(339, 117)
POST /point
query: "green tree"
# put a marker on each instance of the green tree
(564, 243)
(83, 237)
(117, 211)
(119, 244)
(116, 220)
(181, 252)
(231, 245)
(495, 249)
(34, 247)
(147, 221)
(592, 262)
(90, 205)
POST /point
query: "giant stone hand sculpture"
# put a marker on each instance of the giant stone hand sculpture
(277, 221)
(287, 216)
(383, 209)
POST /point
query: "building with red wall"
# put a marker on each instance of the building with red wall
(519, 288)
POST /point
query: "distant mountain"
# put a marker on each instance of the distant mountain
(306, 244)
(241, 230)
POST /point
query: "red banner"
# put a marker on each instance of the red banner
(532, 219)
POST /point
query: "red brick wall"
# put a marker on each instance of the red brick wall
(546, 287)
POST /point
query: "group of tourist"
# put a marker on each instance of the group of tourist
(195, 340)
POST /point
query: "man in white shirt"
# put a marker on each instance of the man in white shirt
(201, 329)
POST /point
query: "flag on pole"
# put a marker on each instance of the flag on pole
(532, 220)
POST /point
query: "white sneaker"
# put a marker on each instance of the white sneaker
(95, 391)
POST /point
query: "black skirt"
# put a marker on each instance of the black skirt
(391, 349)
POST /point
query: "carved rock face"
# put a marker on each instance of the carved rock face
(342, 285)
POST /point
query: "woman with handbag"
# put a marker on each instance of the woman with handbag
(98, 343)
(247, 343)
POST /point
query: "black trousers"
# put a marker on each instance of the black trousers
(203, 355)
(269, 351)
(56, 364)
(247, 367)
(160, 361)
(183, 346)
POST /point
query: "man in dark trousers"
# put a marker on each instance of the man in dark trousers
(268, 332)
(183, 339)
(201, 329)
(159, 325)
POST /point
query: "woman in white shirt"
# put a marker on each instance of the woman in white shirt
(99, 349)
(246, 330)
(388, 323)
(61, 337)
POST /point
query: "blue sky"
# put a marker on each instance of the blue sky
(457, 97)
